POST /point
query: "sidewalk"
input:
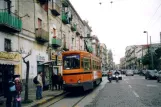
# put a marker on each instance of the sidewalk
(47, 96)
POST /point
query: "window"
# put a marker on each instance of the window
(39, 23)
(7, 45)
(71, 62)
(54, 32)
(86, 64)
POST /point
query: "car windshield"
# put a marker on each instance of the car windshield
(71, 62)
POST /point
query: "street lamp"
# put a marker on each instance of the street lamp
(147, 35)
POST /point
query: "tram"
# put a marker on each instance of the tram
(81, 70)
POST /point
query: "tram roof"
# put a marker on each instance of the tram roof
(80, 52)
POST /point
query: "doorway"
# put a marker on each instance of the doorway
(5, 72)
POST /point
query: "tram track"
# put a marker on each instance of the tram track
(60, 98)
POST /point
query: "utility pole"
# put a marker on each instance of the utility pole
(152, 62)
(160, 37)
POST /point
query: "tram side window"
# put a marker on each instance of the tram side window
(86, 64)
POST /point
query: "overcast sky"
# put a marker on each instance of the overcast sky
(122, 23)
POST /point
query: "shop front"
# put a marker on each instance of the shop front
(9, 66)
(57, 63)
(44, 69)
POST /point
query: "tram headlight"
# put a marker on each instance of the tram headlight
(63, 82)
(79, 81)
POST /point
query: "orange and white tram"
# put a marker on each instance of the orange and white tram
(81, 69)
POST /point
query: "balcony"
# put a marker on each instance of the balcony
(56, 42)
(90, 49)
(42, 36)
(77, 32)
(64, 3)
(43, 1)
(73, 27)
(65, 18)
(88, 35)
(10, 22)
(55, 9)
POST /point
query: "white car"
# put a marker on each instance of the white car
(129, 72)
(114, 77)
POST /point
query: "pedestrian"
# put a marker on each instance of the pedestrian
(60, 81)
(54, 81)
(11, 89)
(39, 86)
(18, 92)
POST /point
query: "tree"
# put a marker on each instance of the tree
(146, 60)
(26, 100)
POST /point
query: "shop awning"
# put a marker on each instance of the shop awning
(46, 63)
(5, 62)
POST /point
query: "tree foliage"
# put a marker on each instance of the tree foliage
(147, 59)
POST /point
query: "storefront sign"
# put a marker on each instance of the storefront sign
(59, 61)
(53, 57)
(40, 58)
(6, 55)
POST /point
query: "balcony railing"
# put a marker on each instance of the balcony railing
(42, 36)
(43, 1)
(64, 3)
(56, 42)
(10, 22)
(78, 32)
(65, 18)
(73, 27)
(55, 9)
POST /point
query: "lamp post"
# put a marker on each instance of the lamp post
(151, 51)
(147, 40)
(147, 36)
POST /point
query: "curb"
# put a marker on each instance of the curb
(46, 100)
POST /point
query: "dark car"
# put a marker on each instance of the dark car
(159, 76)
(151, 74)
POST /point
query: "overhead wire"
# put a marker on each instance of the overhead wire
(154, 15)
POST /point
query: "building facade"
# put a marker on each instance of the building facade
(135, 53)
(103, 56)
(46, 28)
(110, 62)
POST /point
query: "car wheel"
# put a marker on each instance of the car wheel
(145, 77)
(121, 78)
(158, 80)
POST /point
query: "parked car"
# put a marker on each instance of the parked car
(114, 77)
(136, 71)
(129, 73)
(159, 76)
(151, 74)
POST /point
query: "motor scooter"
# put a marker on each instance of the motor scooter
(117, 77)
(110, 79)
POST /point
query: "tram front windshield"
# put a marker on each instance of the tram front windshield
(71, 62)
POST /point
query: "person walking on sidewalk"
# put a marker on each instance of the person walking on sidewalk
(11, 89)
(39, 86)
(18, 92)
(54, 79)
(60, 81)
